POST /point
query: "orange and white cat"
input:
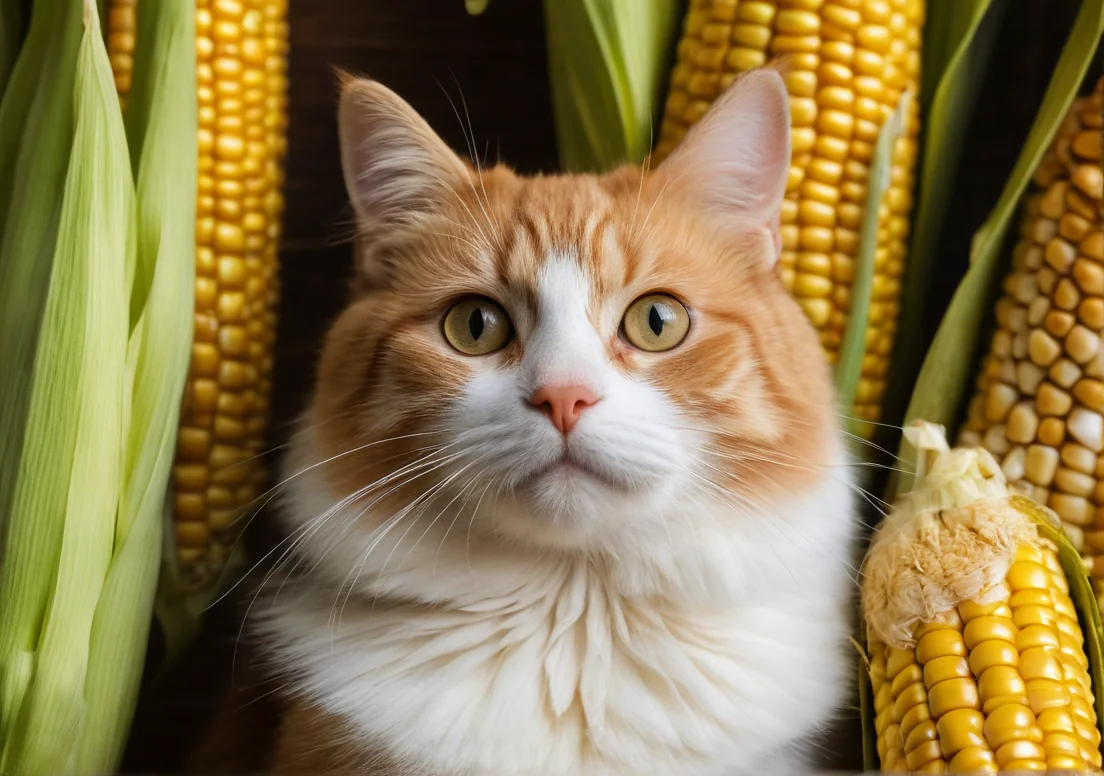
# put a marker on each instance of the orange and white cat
(571, 496)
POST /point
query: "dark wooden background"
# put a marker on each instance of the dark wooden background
(429, 51)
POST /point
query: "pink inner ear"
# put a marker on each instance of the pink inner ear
(736, 160)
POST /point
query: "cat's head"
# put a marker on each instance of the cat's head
(567, 361)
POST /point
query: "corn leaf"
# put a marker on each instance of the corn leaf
(80, 369)
(947, 370)
(38, 105)
(159, 354)
(11, 37)
(848, 368)
(608, 63)
(958, 42)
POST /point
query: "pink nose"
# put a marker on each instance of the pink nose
(563, 404)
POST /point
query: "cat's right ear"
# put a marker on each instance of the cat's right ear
(735, 161)
(397, 169)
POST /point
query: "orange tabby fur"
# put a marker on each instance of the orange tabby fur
(750, 370)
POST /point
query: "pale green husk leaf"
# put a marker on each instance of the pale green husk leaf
(75, 433)
(36, 135)
(608, 63)
(163, 298)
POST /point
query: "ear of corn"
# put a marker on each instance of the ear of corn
(1039, 403)
(945, 378)
(849, 64)
(160, 346)
(241, 48)
(69, 475)
(978, 660)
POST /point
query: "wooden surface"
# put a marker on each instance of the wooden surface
(429, 51)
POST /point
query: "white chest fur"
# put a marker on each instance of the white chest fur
(560, 672)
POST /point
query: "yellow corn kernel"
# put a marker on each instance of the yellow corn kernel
(1047, 347)
(999, 683)
(241, 67)
(121, 28)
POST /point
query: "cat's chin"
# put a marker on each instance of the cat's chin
(569, 471)
(569, 504)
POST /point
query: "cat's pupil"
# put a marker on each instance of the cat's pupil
(655, 321)
(475, 323)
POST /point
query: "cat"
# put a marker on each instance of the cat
(571, 495)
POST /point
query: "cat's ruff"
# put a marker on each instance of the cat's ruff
(542, 665)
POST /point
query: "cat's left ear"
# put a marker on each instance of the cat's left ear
(735, 161)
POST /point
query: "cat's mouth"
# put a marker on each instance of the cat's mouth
(569, 466)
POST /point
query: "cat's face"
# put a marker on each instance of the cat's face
(569, 360)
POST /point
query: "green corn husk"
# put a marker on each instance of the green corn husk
(848, 369)
(608, 62)
(70, 472)
(160, 347)
(38, 102)
(36, 113)
(958, 43)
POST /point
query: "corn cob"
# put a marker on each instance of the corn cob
(977, 658)
(849, 63)
(241, 49)
(1039, 401)
(121, 24)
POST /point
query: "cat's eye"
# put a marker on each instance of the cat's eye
(477, 326)
(656, 322)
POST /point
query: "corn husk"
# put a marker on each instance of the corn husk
(83, 544)
(70, 470)
(36, 113)
(608, 62)
(162, 129)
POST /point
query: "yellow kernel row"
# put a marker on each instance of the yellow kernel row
(1001, 685)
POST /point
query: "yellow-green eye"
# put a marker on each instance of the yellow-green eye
(477, 326)
(656, 322)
